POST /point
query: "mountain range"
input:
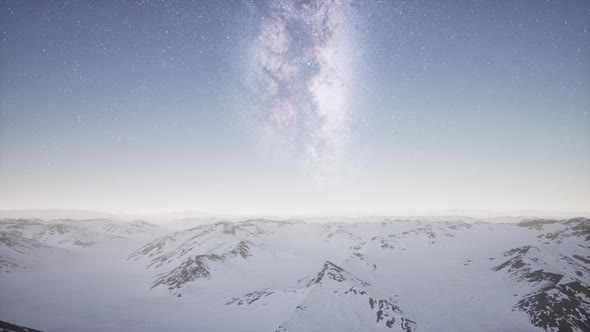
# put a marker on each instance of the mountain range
(373, 274)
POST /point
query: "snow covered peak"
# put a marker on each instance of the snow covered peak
(331, 271)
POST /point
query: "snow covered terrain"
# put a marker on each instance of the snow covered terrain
(377, 274)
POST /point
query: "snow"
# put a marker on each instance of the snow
(438, 273)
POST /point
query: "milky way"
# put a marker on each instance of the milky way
(294, 106)
(301, 77)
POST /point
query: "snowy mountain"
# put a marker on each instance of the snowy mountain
(16, 251)
(188, 223)
(271, 275)
(83, 233)
(334, 292)
(24, 242)
(557, 271)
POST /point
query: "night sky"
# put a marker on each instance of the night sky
(287, 107)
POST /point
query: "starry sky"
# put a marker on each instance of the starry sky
(295, 107)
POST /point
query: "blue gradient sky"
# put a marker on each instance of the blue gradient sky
(151, 106)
